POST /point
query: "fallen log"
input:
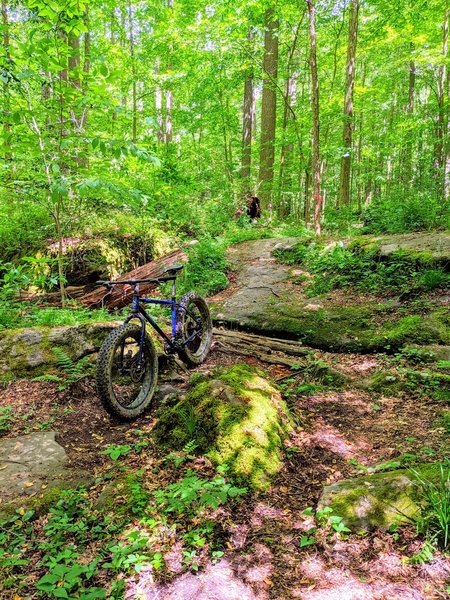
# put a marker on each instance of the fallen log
(54, 298)
(269, 350)
(267, 344)
(289, 353)
(118, 297)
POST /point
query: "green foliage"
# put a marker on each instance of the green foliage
(340, 267)
(72, 372)
(205, 271)
(192, 493)
(14, 315)
(326, 524)
(434, 520)
(405, 213)
(6, 418)
(117, 451)
(424, 555)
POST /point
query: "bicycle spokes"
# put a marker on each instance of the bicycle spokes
(128, 372)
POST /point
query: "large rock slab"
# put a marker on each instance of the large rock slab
(379, 500)
(426, 245)
(33, 466)
(265, 300)
(29, 351)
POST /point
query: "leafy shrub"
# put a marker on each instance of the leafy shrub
(6, 417)
(72, 372)
(205, 271)
(14, 315)
(191, 494)
(402, 214)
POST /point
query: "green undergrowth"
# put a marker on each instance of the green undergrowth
(15, 315)
(337, 266)
(87, 545)
(234, 417)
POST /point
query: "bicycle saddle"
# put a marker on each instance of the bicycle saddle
(174, 269)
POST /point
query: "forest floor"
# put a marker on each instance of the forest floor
(342, 431)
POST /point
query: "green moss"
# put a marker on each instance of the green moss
(39, 503)
(379, 500)
(236, 418)
(386, 381)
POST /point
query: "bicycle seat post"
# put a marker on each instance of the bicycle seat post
(174, 290)
(136, 297)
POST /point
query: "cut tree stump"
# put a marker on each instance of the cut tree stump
(118, 297)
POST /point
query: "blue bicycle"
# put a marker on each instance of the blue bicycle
(127, 364)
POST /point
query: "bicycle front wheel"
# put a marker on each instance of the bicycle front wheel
(194, 329)
(127, 377)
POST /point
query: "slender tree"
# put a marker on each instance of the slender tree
(6, 98)
(344, 188)
(315, 105)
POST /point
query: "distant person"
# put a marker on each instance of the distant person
(251, 207)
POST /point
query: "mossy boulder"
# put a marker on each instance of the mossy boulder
(29, 351)
(236, 417)
(393, 382)
(380, 500)
(109, 254)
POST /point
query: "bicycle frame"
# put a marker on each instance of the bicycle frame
(172, 345)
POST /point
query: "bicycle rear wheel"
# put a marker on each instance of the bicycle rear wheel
(194, 329)
(126, 381)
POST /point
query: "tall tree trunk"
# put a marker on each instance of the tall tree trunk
(268, 108)
(87, 61)
(407, 166)
(6, 99)
(445, 78)
(315, 106)
(287, 147)
(169, 94)
(344, 188)
(169, 126)
(247, 125)
(158, 105)
(133, 73)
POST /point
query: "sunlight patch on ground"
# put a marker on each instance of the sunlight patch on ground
(216, 582)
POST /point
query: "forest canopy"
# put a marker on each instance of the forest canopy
(164, 114)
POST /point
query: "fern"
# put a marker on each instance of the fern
(47, 377)
(73, 372)
(64, 362)
(190, 447)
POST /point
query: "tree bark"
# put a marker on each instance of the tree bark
(269, 108)
(117, 297)
(6, 99)
(407, 166)
(344, 188)
(287, 147)
(247, 126)
(315, 104)
(445, 104)
(133, 73)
